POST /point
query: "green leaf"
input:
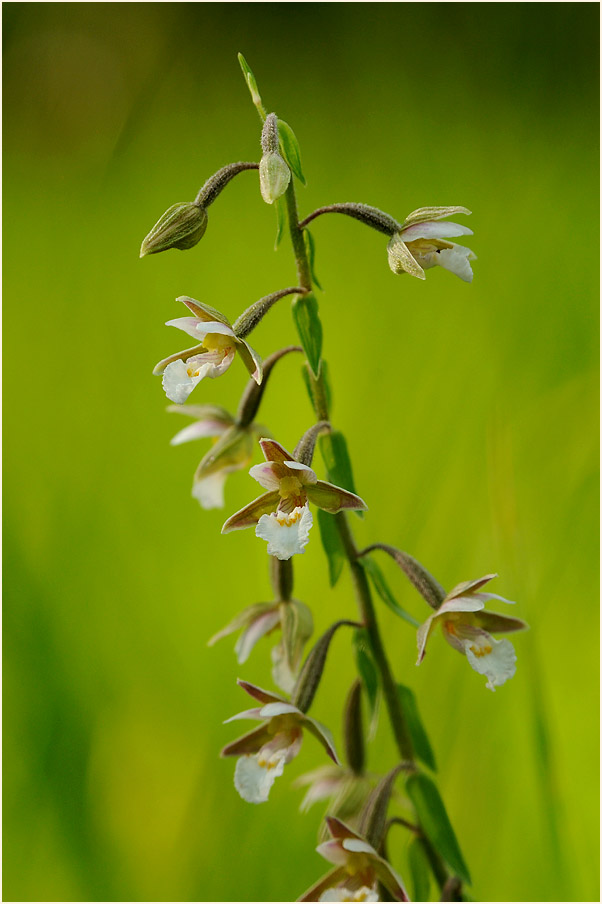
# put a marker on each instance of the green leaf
(419, 870)
(251, 84)
(333, 547)
(290, 149)
(368, 672)
(333, 447)
(307, 321)
(310, 247)
(435, 823)
(382, 588)
(280, 221)
(422, 745)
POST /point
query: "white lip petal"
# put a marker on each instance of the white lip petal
(286, 535)
(210, 490)
(494, 658)
(216, 370)
(254, 782)
(177, 382)
(456, 261)
(438, 230)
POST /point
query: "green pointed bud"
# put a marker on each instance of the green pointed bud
(374, 816)
(181, 226)
(311, 673)
(274, 177)
(354, 734)
(274, 174)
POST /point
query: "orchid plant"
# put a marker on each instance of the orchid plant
(363, 807)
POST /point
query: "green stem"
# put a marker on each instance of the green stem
(360, 581)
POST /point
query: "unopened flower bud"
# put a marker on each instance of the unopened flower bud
(274, 177)
(311, 673)
(181, 226)
(354, 735)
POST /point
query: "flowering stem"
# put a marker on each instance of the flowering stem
(371, 216)
(360, 581)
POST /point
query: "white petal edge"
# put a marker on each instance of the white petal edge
(254, 782)
(432, 230)
(498, 666)
(286, 535)
(210, 490)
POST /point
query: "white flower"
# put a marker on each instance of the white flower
(422, 243)
(468, 628)
(266, 750)
(344, 893)
(282, 514)
(218, 344)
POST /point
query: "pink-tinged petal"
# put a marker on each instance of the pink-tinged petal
(187, 325)
(203, 311)
(251, 360)
(266, 475)
(334, 877)
(242, 620)
(254, 632)
(434, 230)
(178, 356)
(279, 709)
(320, 787)
(249, 743)
(422, 635)
(198, 430)
(469, 586)
(389, 879)
(251, 513)
(333, 499)
(334, 852)
(456, 260)
(245, 714)
(339, 829)
(485, 597)
(259, 694)
(221, 366)
(323, 735)
(496, 623)
(209, 491)
(287, 534)
(213, 327)
(204, 412)
(460, 604)
(358, 846)
(306, 474)
(401, 259)
(254, 781)
(423, 214)
(273, 451)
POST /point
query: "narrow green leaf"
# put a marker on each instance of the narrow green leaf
(290, 149)
(310, 247)
(419, 870)
(368, 672)
(422, 745)
(332, 545)
(333, 447)
(435, 823)
(382, 588)
(307, 321)
(280, 221)
(251, 84)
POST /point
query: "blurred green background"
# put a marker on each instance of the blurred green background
(470, 412)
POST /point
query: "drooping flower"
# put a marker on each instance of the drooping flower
(232, 449)
(282, 515)
(261, 619)
(211, 358)
(264, 752)
(358, 869)
(468, 628)
(345, 790)
(422, 243)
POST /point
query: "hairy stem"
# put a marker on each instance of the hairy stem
(360, 581)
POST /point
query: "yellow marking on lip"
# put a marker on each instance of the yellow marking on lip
(480, 651)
